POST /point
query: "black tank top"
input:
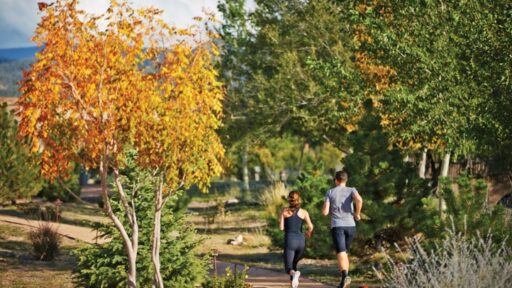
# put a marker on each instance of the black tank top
(293, 224)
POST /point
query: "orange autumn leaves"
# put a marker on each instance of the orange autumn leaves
(123, 79)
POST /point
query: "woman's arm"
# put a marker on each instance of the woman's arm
(281, 220)
(310, 225)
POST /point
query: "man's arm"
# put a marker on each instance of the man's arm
(358, 200)
(325, 209)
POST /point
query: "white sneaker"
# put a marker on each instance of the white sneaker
(347, 282)
(295, 279)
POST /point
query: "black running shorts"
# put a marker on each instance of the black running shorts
(342, 237)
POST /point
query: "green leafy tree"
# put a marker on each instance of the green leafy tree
(19, 170)
(273, 88)
(488, 36)
(452, 62)
(105, 265)
(274, 52)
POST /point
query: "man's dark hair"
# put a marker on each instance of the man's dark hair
(341, 176)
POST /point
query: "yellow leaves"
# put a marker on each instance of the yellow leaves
(384, 121)
(350, 127)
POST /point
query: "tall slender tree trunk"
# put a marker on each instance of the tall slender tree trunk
(445, 166)
(423, 164)
(245, 171)
(301, 159)
(130, 245)
(155, 253)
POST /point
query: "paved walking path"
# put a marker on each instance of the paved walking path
(259, 278)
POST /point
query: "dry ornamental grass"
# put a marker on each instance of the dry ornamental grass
(45, 241)
(459, 261)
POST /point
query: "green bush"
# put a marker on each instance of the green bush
(45, 242)
(105, 265)
(31, 209)
(50, 213)
(234, 279)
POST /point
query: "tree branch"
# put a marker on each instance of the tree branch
(124, 201)
(61, 183)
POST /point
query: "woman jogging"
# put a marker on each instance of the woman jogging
(291, 220)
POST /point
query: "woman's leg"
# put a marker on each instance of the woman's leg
(299, 252)
(289, 255)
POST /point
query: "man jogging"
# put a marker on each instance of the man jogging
(339, 204)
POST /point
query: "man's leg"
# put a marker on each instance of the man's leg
(339, 239)
(348, 233)
(343, 263)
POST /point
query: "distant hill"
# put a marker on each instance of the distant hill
(12, 62)
(10, 74)
(8, 54)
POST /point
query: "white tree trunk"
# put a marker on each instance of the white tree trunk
(129, 244)
(445, 165)
(423, 164)
(155, 253)
(301, 159)
(245, 171)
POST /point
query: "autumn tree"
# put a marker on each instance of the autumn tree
(123, 79)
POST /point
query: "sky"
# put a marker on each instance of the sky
(18, 18)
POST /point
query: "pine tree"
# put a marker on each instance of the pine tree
(393, 193)
(19, 176)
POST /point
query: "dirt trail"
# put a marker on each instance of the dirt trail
(70, 231)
